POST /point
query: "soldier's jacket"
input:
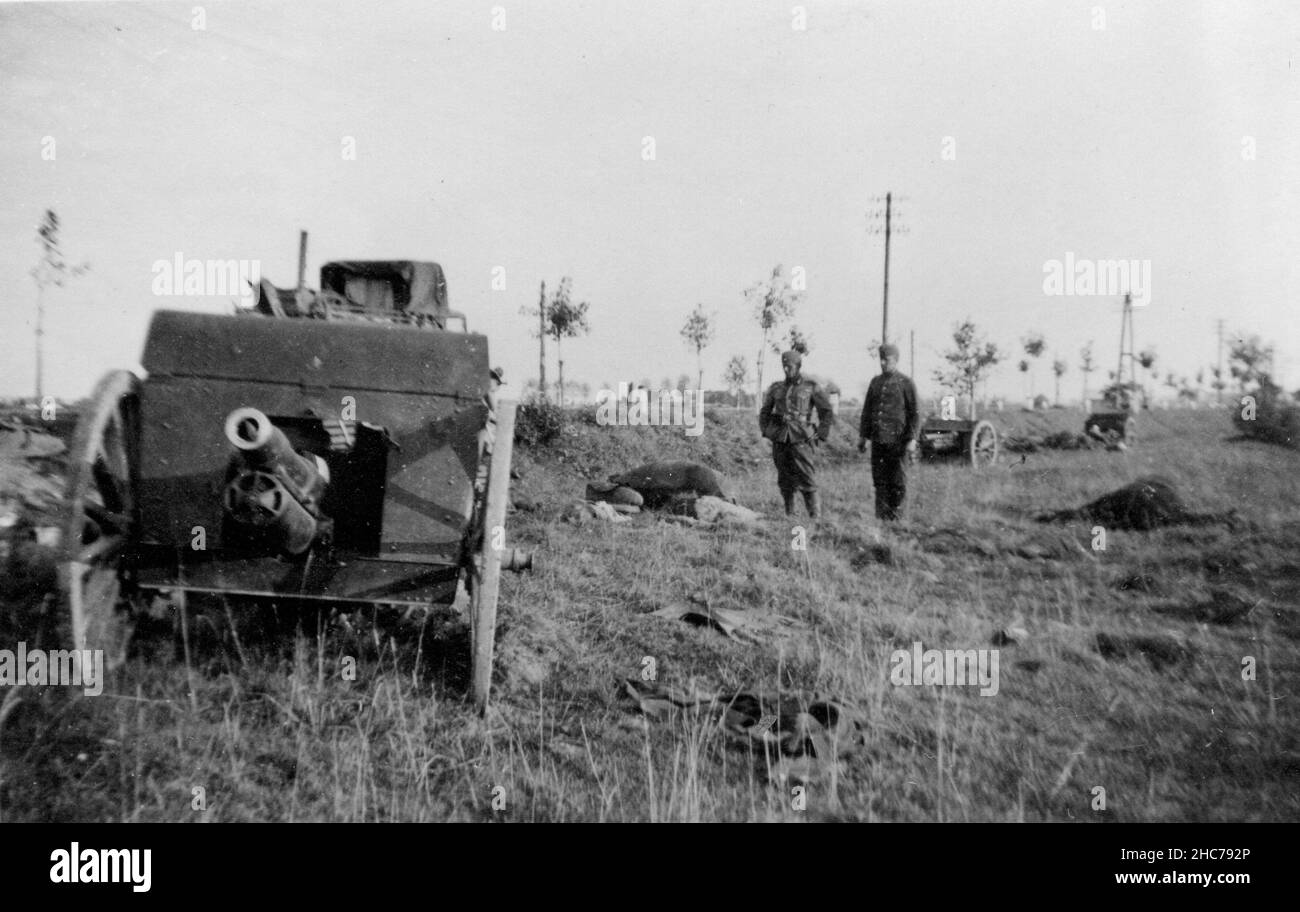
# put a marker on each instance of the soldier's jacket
(889, 415)
(786, 416)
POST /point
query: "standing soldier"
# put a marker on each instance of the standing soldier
(487, 437)
(786, 420)
(890, 422)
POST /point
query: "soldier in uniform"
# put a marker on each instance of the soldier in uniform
(890, 422)
(487, 437)
(786, 420)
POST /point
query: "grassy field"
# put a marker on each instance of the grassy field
(1134, 689)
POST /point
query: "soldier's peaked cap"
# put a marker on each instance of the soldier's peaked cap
(887, 350)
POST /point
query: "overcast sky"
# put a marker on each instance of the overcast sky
(523, 148)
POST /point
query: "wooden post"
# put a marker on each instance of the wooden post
(489, 584)
(884, 319)
(541, 341)
(302, 260)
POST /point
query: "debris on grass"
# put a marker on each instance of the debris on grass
(1160, 649)
(1223, 607)
(1060, 440)
(753, 625)
(957, 541)
(618, 495)
(805, 736)
(710, 509)
(1011, 635)
(1138, 582)
(583, 511)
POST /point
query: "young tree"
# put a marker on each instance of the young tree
(1218, 385)
(51, 271)
(565, 320)
(1059, 367)
(795, 340)
(698, 333)
(968, 362)
(1147, 358)
(1035, 345)
(774, 301)
(1086, 366)
(1023, 367)
(736, 376)
(1273, 415)
(1249, 361)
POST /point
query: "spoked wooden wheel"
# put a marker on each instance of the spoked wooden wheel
(487, 586)
(100, 518)
(983, 445)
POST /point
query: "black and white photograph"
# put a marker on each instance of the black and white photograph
(841, 411)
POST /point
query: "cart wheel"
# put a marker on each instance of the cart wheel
(983, 445)
(1130, 431)
(483, 621)
(100, 518)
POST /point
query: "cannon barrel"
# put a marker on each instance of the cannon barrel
(273, 487)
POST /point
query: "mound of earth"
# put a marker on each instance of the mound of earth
(1145, 504)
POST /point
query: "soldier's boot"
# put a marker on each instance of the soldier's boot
(788, 497)
(812, 500)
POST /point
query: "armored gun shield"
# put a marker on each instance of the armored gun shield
(336, 458)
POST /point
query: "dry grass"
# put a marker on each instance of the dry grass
(273, 731)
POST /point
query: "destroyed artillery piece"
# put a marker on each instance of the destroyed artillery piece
(1113, 424)
(948, 435)
(334, 448)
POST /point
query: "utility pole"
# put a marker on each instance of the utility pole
(1126, 351)
(912, 365)
(302, 261)
(541, 338)
(888, 230)
(884, 312)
